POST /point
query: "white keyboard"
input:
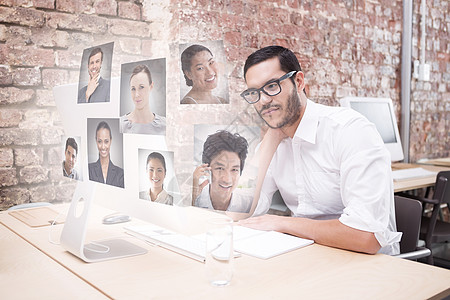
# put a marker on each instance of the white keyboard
(411, 173)
(183, 244)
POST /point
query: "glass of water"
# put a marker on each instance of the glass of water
(219, 251)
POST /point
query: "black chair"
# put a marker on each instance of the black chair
(434, 230)
(408, 214)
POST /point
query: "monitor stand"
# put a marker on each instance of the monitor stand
(74, 231)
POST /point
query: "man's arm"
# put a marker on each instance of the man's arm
(264, 155)
(326, 232)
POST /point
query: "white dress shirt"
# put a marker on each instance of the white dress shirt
(336, 167)
(241, 200)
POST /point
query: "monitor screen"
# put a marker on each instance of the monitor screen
(380, 112)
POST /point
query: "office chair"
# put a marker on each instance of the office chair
(433, 230)
(408, 214)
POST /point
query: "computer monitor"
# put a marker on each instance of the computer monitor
(380, 112)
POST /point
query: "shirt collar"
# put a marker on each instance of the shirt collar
(307, 128)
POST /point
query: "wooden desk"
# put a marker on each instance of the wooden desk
(411, 184)
(313, 272)
(445, 162)
(27, 273)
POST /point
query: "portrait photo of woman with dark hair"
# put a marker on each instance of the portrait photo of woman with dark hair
(104, 170)
(156, 171)
(203, 74)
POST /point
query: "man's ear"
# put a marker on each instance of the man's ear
(300, 80)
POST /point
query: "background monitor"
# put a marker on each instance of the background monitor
(380, 112)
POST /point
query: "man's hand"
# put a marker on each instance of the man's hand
(92, 85)
(265, 222)
(202, 170)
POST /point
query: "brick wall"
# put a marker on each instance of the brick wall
(347, 47)
(430, 101)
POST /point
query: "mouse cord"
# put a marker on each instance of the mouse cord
(50, 239)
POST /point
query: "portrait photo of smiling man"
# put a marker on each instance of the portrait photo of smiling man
(95, 74)
(218, 183)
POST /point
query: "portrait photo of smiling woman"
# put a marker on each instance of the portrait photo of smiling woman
(143, 97)
(157, 182)
(204, 78)
(104, 147)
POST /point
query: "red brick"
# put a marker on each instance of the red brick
(130, 28)
(14, 136)
(5, 76)
(51, 135)
(42, 193)
(74, 6)
(65, 191)
(27, 157)
(10, 117)
(234, 38)
(27, 77)
(129, 10)
(130, 45)
(44, 98)
(8, 177)
(68, 59)
(54, 155)
(22, 16)
(33, 174)
(54, 77)
(13, 196)
(36, 119)
(236, 7)
(272, 14)
(105, 7)
(147, 48)
(28, 56)
(86, 23)
(34, 3)
(12, 95)
(17, 36)
(50, 38)
(6, 157)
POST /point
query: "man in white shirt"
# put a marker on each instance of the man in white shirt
(329, 163)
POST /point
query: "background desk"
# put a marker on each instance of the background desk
(412, 184)
(312, 272)
(445, 162)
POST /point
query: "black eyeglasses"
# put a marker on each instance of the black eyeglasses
(272, 88)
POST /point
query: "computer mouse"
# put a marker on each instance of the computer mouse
(115, 219)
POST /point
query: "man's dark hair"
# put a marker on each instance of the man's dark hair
(93, 52)
(288, 60)
(223, 140)
(72, 143)
(186, 59)
(142, 69)
(156, 155)
(102, 125)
